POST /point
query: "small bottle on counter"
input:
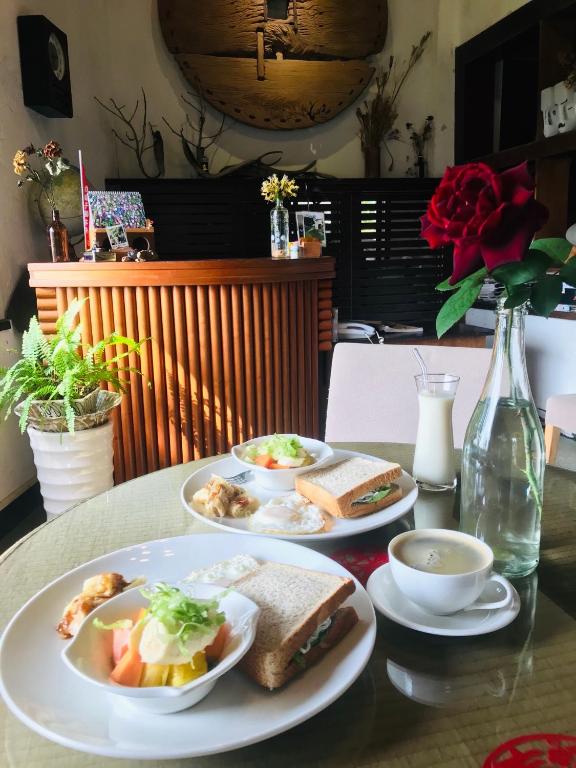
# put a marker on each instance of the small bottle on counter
(58, 238)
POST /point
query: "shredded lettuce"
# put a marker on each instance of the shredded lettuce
(181, 614)
(374, 496)
(277, 446)
(120, 624)
(300, 655)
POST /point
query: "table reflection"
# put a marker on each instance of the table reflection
(456, 672)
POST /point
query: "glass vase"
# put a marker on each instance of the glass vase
(503, 456)
(58, 239)
(279, 231)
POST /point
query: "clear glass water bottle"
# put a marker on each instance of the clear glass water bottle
(279, 231)
(503, 456)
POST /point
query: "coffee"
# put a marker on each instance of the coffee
(440, 554)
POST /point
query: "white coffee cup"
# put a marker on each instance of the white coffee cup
(446, 593)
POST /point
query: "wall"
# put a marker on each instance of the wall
(21, 241)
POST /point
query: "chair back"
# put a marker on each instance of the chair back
(373, 398)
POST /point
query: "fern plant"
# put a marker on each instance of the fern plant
(61, 367)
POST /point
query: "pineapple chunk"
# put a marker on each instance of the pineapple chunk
(154, 674)
(199, 664)
(180, 674)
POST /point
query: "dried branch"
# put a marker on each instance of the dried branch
(377, 117)
(195, 147)
(135, 139)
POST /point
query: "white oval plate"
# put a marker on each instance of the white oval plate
(50, 699)
(228, 467)
(390, 601)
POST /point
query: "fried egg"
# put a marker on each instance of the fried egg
(290, 515)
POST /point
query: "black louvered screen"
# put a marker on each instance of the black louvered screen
(384, 270)
(393, 270)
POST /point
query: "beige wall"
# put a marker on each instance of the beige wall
(20, 240)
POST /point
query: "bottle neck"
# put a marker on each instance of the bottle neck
(508, 376)
(56, 215)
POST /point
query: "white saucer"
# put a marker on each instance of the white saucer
(388, 599)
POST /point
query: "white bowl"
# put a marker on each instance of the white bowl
(89, 653)
(283, 479)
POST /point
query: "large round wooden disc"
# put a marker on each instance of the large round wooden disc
(276, 73)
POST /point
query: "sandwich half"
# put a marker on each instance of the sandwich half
(300, 621)
(352, 487)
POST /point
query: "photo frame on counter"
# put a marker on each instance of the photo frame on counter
(307, 220)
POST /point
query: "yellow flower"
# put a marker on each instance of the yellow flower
(20, 163)
(274, 188)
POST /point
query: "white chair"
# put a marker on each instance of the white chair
(560, 415)
(373, 398)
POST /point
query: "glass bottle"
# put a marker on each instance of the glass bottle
(503, 456)
(279, 231)
(58, 238)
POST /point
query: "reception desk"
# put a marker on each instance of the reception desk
(232, 351)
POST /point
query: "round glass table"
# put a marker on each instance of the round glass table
(423, 701)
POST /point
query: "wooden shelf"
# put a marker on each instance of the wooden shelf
(554, 146)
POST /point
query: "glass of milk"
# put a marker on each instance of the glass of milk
(434, 463)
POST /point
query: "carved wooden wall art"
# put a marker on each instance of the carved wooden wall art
(276, 64)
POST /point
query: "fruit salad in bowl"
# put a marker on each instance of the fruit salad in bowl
(163, 648)
(278, 459)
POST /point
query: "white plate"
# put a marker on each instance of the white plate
(229, 467)
(49, 698)
(394, 605)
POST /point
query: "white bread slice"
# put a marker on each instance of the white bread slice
(335, 488)
(293, 603)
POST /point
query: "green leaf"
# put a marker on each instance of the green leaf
(475, 277)
(517, 296)
(457, 306)
(534, 264)
(546, 295)
(568, 273)
(558, 248)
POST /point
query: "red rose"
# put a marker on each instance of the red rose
(490, 217)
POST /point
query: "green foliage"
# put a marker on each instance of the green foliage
(546, 294)
(476, 276)
(459, 303)
(60, 367)
(524, 281)
(532, 266)
(557, 248)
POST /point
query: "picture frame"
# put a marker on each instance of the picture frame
(307, 220)
(117, 236)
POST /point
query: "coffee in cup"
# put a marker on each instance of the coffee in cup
(444, 571)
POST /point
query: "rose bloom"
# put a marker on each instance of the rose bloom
(52, 150)
(489, 217)
(20, 162)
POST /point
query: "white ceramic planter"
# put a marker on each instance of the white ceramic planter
(72, 468)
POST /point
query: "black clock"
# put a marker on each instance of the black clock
(45, 67)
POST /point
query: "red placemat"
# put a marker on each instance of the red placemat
(360, 562)
(535, 750)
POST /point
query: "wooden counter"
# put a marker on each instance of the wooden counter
(233, 350)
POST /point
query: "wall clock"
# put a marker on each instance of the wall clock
(276, 64)
(45, 67)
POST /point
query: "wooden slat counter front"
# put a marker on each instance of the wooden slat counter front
(233, 350)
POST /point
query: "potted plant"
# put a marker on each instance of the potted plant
(55, 388)
(274, 190)
(377, 116)
(311, 244)
(52, 164)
